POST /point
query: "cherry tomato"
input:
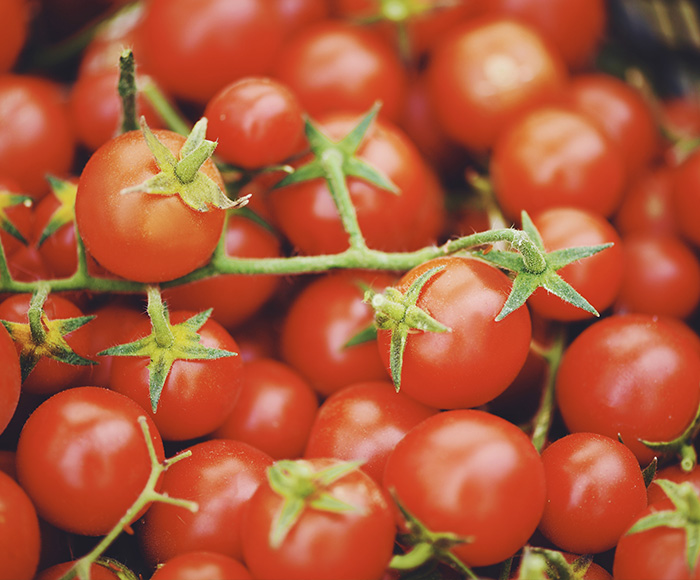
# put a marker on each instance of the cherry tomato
(20, 215)
(201, 566)
(10, 378)
(634, 376)
(486, 72)
(14, 19)
(19, 532)
(685, 199)
(140, 236)
(58, 571)
(472, 474)
(82, 458)
(466, 296)
(676, 474)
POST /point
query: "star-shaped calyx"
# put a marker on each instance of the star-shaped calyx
(167, 343)
(181, 175)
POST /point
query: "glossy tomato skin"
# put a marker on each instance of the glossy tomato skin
(473, 474)
(595, 488)
(10, 378)
(196, 47)
(487, 72)
(631, 375)
(364, 422)
(479, 357)
(274, 410)
(334, 65)
(202, 565)
(686, 198)
(221, 475)
(197, 396)
(556, 157)
(19, 532)
(323, 545)
(322, 319)
(597, 278)
(83, 460)
(140, 236)
(414, 218)
(37, 136)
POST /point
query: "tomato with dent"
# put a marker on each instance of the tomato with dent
(20, 541)
(141, 236)
(82, 458)
(473, 474)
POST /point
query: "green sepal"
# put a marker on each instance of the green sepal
(649, 472)
(65, 192)
(289, 515)
(682, 446)
(367, 334)
(9, 200)
(312, 170)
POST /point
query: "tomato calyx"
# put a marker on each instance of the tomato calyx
(182, 176)
(9, 199)
(685, 516)
(533, 271)
(552, 565)
(399, 314)
(167, 343)
(65, 192)
(41, 337)
(303, 488)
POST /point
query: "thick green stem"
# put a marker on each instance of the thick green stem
(36, 312)
(159, 319)
(127, 91)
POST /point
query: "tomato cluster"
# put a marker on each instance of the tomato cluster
(344, 289)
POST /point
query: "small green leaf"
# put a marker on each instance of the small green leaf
(357, 168)
(367, 334)
(312, 170)
(291, 511)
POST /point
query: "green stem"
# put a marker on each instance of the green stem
(127, 91)
(159, 318)
(165, 109)
(36, 311)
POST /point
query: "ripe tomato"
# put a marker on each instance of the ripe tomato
(306, 214)
(14, 20)
(10, 378)
(595, 488)
(274, 410)
(472, 474)
(140, 236)
(597, 279)
(676, 474)
(686, 198)
(20, 215)
(556, 157)
(336, 66)
(352, 544)
(201, 566)
(19, 532)
(30, 150)
(479, 357)
(58, 571)
(83, 460)
(634, 376)
(220, 476)
(364, 422)
(486, 72)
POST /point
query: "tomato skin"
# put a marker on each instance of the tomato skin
(322, 319)
(20, 215)
(140, 236)
(333, 66)
(487, 72)
(201, 566)
(556, 157)
(14, 16)
(58, 571)
(686, 198)
(197, 396)
(597, 278)
(323, 545)
(307, 215)
(274, 410)
(364, 422)
(465, 296)
(595, 488)
(82, 458)
(473, 474)
(643, 385)
(221, 475)
(675, 473)
(37, 137)
(194, 48)
(19, 532)
(10, 378)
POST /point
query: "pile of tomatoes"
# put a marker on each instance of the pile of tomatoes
(344, 289)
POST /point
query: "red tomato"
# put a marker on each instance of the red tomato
(661, 276)
(59, 250)
(307, 215)
(257, 121)
(201, 566)
(686, 198)
(20, 215)
(221, 475)
(197, 396)
(555, 157)
(37, 137)
(675, 473)
(337, 66)
(353, 544)
(595, 488)
(473, 474)
(140, 236)
(486, 72)
(634, 376)
(274, 411)
(323, 318)
(194, 48)
(364, 422)
(622, 113)
(14, 20)
(83, 460)
(58, 571)
(19, 532)
(597, 279)
(10, 378)
(466, 296)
